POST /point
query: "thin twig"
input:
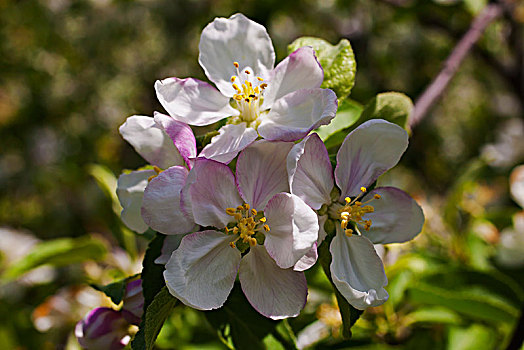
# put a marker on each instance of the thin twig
(433, 92)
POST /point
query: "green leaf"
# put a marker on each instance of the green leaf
(394, 107)
(152, 274)
(107, 181)
(349, 314)
(476, 337)
(347, 114)
(480, 306)
(152, 284)
(239, 325)
(434, 314)
(156, 314)
(115, 290)
(338, 62)
(58, 252)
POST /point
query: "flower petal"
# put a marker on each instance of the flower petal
(161, 203)
(192, 101)
(261, 172)
(181, 135)
(274, 292)
(293, 229)
(231, 139)
(308, 260)
(171, 243)
(234, 39)
(202, 271)
(212, 192)
(310, 172)
(357, 271)
(150, 141)
(130, 191)
(299, 70)
(397, 217)
(366, 153)
(293, 116)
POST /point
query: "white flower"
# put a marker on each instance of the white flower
(249, 213)
(282, 103)
(384, 215)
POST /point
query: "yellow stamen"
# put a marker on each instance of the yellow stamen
(260, 79)
(236, 64)
(363, 189)
(231, 211)
(266, 227)
(263, 219)
(253, 212)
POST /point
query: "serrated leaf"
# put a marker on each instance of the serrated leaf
(349, 314)
(58, 252)
(115, 291)
(156, 314)
(475, 305)
(394, 107)
(347, 114)
(239, 324)
(338, 62)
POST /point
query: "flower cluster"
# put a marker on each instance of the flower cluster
(262, 216)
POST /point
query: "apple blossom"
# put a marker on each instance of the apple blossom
(383, 215)
(283, 103)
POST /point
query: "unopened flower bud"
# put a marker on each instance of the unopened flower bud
(133, 306)
(103, 328)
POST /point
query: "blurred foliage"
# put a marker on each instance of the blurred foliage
(72, 71)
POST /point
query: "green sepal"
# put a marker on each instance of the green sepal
(115, 291)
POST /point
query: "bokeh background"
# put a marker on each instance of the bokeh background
(71, 72)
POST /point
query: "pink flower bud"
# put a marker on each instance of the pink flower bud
(133, 306)
(103, 328)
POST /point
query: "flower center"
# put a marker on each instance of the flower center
(249, 94)
(246, 225)
(354, 210)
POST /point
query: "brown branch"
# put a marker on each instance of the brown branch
(433, 92)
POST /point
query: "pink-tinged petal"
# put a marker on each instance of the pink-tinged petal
(213, 191)
(234, 39)
(150, 141)
(293, 229)
(161, 203)
(310, 172)
(299, 70)
(366, 153)
(322, 234)
(171, 243)
(274, 292)
(261, 172)
(357, 271)
(130, 191)
(202, 271)
(308, 260)
(192, 101)
(293, 116)
(397, 217)
(230, 140)
(181, 135)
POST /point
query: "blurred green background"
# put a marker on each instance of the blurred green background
(72, 71)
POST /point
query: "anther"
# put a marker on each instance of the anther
(260, 79)
(232, 245)
(246, 206)
(348, 232)
(233, 78)
(377, 196)
(236, 64)
(157, 169)
(363, 189)
(253, 211)
(263, 219)
(247, 72)
(231, 211)
(235, 86)
(266, 227)
(348, 200)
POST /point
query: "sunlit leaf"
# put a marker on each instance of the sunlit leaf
(58, 252)
(347, 114)
(394, 107)
(338, 62)
(476, 337)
